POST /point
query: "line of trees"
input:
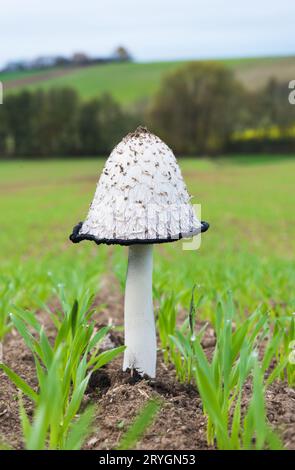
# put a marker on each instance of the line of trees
(57, 123)
(199, 109)
(204, 109)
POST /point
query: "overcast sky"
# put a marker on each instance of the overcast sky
(150, 29)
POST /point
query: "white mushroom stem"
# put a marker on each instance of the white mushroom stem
(140, 332)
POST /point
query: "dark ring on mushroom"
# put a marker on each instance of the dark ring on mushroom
(76, 238)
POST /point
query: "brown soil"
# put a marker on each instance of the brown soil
(255, 76)
(36, 78)
(118, 397)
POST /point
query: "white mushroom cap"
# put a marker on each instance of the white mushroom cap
(140, 197)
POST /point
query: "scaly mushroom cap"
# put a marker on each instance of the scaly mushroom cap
(140, 197)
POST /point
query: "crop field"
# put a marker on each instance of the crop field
(225, 314)
(132, 82)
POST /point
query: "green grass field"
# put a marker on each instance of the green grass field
(137, 81)
(248, 250)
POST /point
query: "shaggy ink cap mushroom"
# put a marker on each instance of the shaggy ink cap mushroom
(140, 197)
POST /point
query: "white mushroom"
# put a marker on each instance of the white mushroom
(141, 199)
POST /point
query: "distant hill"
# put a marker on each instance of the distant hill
(131, 82)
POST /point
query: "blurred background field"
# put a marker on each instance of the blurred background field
(198, 107)
(132, 82)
